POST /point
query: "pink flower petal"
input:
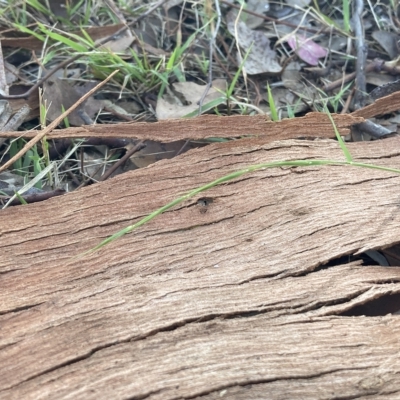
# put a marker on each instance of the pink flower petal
(306, 49)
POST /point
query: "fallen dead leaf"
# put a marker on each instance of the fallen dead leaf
(300, 3)
(11, 73)
(155, 151)
(191, 93)
(259, 7)
(32, 102)
(59, 95)
(388, 41)
(172, 3)
(261, 58)
(120, 44)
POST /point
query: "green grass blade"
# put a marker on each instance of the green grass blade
(38, 6)
(20, 198)
(31, 32)
(346, 15)
(207, 106)
(272, 107)
(232, 86)
(226, 178)
(343, 146)
(32, 183)
(87, 37)
(16, 146)
(73, 44)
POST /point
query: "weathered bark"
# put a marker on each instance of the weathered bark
(225, 300)
(207, 126)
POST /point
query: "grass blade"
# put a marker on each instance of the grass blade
(343, 146)
(226, 178)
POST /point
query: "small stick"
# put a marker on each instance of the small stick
(346, 106)
(36, 197)
(210, 69)
(210, 56)
(123, 159)
(54, 124)
(362, 49)
(347, 78)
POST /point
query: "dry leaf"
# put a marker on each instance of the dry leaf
(388, 41)
(259, 7)
(192, 93)
(172, 3)
(155, 151)
(379, 79)
(59, 95)
(11, 73)
(94, 164)
(120, 44)
(299, 3)
(261, 58)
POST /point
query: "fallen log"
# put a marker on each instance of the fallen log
(232, 294)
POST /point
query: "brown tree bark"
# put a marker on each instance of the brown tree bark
(228, 297)
(313, 124)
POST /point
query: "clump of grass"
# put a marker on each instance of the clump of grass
(272, 106)
(139, 70)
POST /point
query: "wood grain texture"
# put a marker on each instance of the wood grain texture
(384, 105)
(233, 302)
(209, 126)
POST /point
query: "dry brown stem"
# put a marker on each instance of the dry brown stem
(39, 136)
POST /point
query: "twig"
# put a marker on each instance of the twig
(210, 68)
(112, 6)
(77, 56)
(54, 124)
(375, 130)
(210, 56)
(347, 78)
(3, 81)
(376, 65)
(127, 155)
(222, 66)
(228, 51)
(36, 197)
(361, 83)
(346, 106)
